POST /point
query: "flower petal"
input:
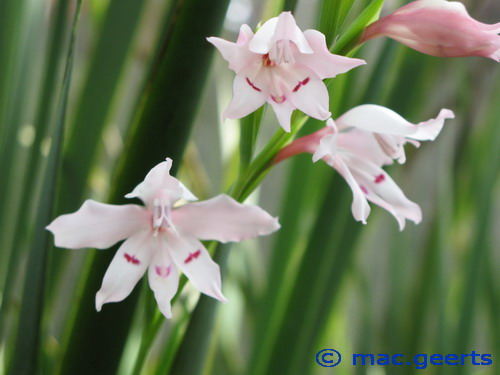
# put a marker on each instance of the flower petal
(322, 62)
(223, 219)
(359, 208)
(282, 28)
(310, 95)
(378, 119)
(163, 277)
(126, 268)
(247, 97)
(283, 113)
(98, 225)
(237, 54)
(383, 191)
(430, 129)
(193, 259)
(159, 182)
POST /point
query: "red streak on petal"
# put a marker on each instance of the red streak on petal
(192, 256)
(163, 271)
(301, 83)
(363, 189)
(380, 178)
(252, 85)
(131, 259)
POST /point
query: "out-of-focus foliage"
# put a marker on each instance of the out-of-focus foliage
(143, 87)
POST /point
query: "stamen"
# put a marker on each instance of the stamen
(266, 61)
(252, 85)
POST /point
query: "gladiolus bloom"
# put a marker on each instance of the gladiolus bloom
(160, 237)
(439, 28)
(358, 144)
(283, 66)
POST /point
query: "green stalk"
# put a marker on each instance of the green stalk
(161, 128)
(27, 352)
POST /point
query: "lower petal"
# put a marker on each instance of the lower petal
(194, 260)
(126, 268)
(163, 278)
(359, 208)
(381, 189)
(247, 97)
(310, 95)
(283, 112)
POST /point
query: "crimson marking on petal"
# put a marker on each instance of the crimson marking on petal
(301, 83)
(192, 256)
(380, 178)
(131, 259)
(252, 85)
(363, 189)
(163, 271)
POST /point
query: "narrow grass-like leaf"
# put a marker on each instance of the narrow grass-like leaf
(43, 117)
(27, 353)
(351, 36)
(486, 153)
(332, 14)
(109, 58)
(249, 130)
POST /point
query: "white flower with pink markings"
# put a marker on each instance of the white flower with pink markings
(160, 237)
(283, 66)
(358, 144)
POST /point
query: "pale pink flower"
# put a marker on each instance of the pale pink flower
(358, 144)
(160, 237)
(283, 66)
(439, 28)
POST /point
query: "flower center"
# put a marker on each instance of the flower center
(267, 62)
(161, 215)
(281, 52)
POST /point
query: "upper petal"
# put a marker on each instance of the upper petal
(163, 277)
(194, 260)
(159, 182)
(321, 61)
(237, 54)
(282, 28)
(98, 225)
(378, 119)
(126, 268)
(223, 219)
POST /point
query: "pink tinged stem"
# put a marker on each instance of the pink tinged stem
(306, 144)
(192, 256)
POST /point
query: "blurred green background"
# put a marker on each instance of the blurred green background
(88, 116)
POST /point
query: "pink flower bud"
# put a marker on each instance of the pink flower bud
(439, 28)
